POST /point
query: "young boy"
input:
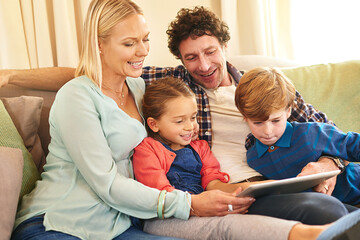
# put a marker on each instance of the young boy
(264, 97)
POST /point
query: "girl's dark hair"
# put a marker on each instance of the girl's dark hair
(195, 23)
(156, 96)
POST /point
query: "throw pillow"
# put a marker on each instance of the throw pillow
(25, 113)
(10, 137)
(332, 88)
(11, 168)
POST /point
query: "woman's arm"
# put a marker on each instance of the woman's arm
(41, 78)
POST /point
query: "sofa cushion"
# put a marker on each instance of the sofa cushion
(11, 168)
(25, 113)
(10, 137)
(332, 88)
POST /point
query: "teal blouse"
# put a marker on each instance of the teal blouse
(87, 187)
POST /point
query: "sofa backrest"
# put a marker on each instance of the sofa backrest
(48, 97)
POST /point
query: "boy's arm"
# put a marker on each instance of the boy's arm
(40, 78)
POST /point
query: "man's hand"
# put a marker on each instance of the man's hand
(4, 77)
(324, 164)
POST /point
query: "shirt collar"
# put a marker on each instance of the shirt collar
(284, 141)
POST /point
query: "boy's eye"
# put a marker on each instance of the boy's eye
(276, 120)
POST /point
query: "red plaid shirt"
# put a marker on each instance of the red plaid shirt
(301, 112)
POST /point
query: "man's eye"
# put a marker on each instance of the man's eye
(190, 58)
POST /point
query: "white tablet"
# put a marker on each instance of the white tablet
(289, 185)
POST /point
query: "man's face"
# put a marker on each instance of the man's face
(204, 58)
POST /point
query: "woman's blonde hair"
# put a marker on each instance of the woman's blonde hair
(101, 18)
(261, 91)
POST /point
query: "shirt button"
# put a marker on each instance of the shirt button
(205, 109)
(207, 133)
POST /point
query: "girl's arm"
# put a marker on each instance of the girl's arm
(151, 163)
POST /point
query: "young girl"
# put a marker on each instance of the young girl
(168, 159)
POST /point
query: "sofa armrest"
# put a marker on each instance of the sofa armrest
(11, 170)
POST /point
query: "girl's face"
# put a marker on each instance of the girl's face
(178, 123)
(271, 130)
(124, 51)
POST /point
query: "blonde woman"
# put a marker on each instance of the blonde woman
(87, 189)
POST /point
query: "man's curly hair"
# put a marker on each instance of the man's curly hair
(195, 23)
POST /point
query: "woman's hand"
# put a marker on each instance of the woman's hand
(216, 203)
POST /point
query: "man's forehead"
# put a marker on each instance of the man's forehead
(199, 44)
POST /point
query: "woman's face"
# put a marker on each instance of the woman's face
(124, 51)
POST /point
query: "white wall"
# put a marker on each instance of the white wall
(159, 13)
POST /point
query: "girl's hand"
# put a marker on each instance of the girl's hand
(216, 203)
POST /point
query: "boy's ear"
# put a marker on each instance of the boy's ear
(288, 113)
(152, 123)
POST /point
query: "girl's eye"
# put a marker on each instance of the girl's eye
(180, 121)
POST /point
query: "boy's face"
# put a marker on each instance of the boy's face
(271, 130)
